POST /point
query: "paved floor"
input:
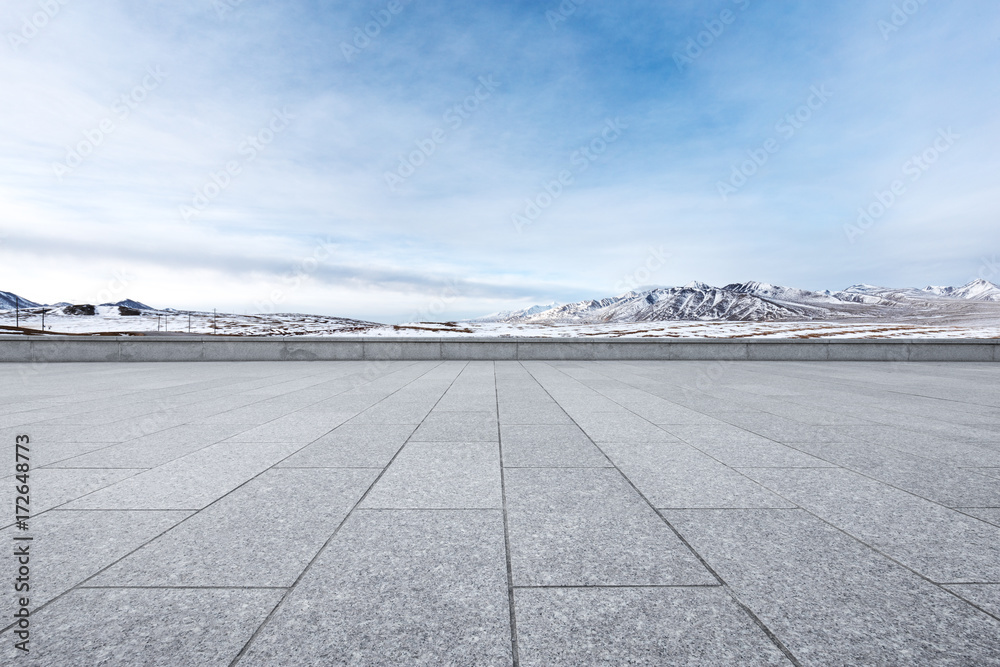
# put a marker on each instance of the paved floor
(481, 513)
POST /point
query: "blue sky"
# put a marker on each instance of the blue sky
(465, 158)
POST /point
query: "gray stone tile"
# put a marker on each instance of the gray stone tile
(458, 427)
(784, 430)
(393, 413)
(988, 514)
(191, 482)
(588, 527)
(54, 454)
(938, 542)
(989, 472)
(551, 446)
(67, 547)
(251, 415)
(984, 596)
(625, 427)
(296, 428)
(962, 454)
(125, 430)
(262, 534)
(680, 476)
(533, 413)
(638, 626)
(441, 475)
(398, 587)
(353, 446)
(153, 450)
(739, 448)
(934, 480)
(126, 627)
(830, 599)
(54, 487)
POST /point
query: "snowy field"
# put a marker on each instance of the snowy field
(108, 320)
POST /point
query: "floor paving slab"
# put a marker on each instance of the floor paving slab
(190, 482)
(479, 426)
(739, 448)
(549, 446)
(154, 627)
(611, 427)
(933, 480)
(353, 446)
(262, 534)
(987, 514)
(441, 573)
(153, 450)
(537, 413)
(645, 627)
(678, 475)
(67, 547)
(984, 596)
(940, 543)
(589, 527)
(54, 487)
(830, 599)
(440, 475)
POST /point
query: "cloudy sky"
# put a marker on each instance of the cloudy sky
(402, 159)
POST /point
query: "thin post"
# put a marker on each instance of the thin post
(17, 311)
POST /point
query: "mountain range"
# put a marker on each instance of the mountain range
(762, 302)
(737, 302)
(10, 301)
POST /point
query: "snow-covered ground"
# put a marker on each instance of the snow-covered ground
(108, 321)
(696, 310)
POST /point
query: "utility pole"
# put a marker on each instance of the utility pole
(44, 310)
(215, 319)
(17, 311)
(189, 322)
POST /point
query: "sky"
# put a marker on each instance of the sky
(412, 160)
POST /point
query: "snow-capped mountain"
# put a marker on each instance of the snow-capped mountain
(977, 290)
(11, 301)
(760, 302)
(130, 303)
(515, 315)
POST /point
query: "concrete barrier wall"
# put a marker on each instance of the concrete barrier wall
(164, 348)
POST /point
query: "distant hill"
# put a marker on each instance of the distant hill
(759, 302)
